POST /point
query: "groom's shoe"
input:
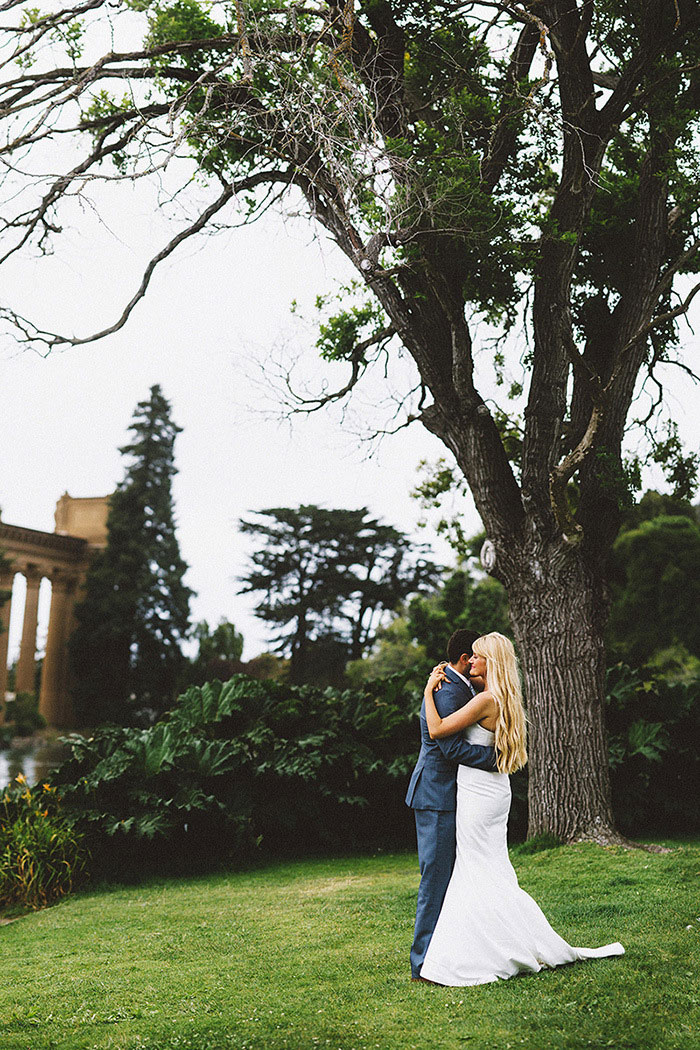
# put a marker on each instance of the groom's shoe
(423, 980)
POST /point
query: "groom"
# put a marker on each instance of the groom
(432, 793)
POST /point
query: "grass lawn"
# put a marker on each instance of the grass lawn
(314, 954)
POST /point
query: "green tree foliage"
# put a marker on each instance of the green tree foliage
(654, 504)
(416, 639)
(223, 643)
(674, 665)
(656, 586)
(126, 649)
(395, 651)
(327, 577)
(219, 652)
(22, 716)
(480, 604)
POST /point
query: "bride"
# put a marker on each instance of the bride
(488, 927)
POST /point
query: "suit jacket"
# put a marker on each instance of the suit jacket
(433, 783)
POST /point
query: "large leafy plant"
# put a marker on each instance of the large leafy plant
(242, 763)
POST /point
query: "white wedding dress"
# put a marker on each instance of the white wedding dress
(488, 927)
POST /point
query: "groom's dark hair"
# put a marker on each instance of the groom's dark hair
(460, 642)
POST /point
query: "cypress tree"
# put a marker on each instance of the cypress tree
(126, 648)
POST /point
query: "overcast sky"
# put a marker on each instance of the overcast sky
(213, 310)
(214, 316)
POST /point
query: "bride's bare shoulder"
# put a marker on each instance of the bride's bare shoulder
(488, 701)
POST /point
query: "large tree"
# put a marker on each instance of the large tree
(489, 162)
(134, 615)
(327, 576)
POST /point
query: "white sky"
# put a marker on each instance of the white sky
(215, 305)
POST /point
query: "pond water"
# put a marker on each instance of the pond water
(34, 758)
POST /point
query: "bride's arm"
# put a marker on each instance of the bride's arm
(477, 708)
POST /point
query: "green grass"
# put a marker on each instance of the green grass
(314, 954)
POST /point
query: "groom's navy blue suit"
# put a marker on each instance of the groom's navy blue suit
(432, 794)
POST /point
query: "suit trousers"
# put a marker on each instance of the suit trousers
(436, 834)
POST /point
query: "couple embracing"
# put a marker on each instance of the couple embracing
(474, 924)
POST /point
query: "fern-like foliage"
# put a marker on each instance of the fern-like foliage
(245, 762)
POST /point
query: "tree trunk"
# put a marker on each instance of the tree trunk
(558, 614)
(298, 656)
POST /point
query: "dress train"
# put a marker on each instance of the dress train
(489, 928)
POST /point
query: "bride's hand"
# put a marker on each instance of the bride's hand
(437, 677)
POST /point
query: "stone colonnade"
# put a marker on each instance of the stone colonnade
(63, 559)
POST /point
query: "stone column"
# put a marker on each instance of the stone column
(53, 696)
(6, 579)
(26, 666)
(67, 713)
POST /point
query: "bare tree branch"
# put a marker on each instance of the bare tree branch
(307, 405)
(656, 322)
(51, 340)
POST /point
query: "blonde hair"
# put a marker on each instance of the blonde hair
(503, 682)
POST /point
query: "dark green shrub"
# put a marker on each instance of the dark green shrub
(42, 856)
(654, 733)
(653, 722)
(23, 716)
(244, 763)
(303, 769)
